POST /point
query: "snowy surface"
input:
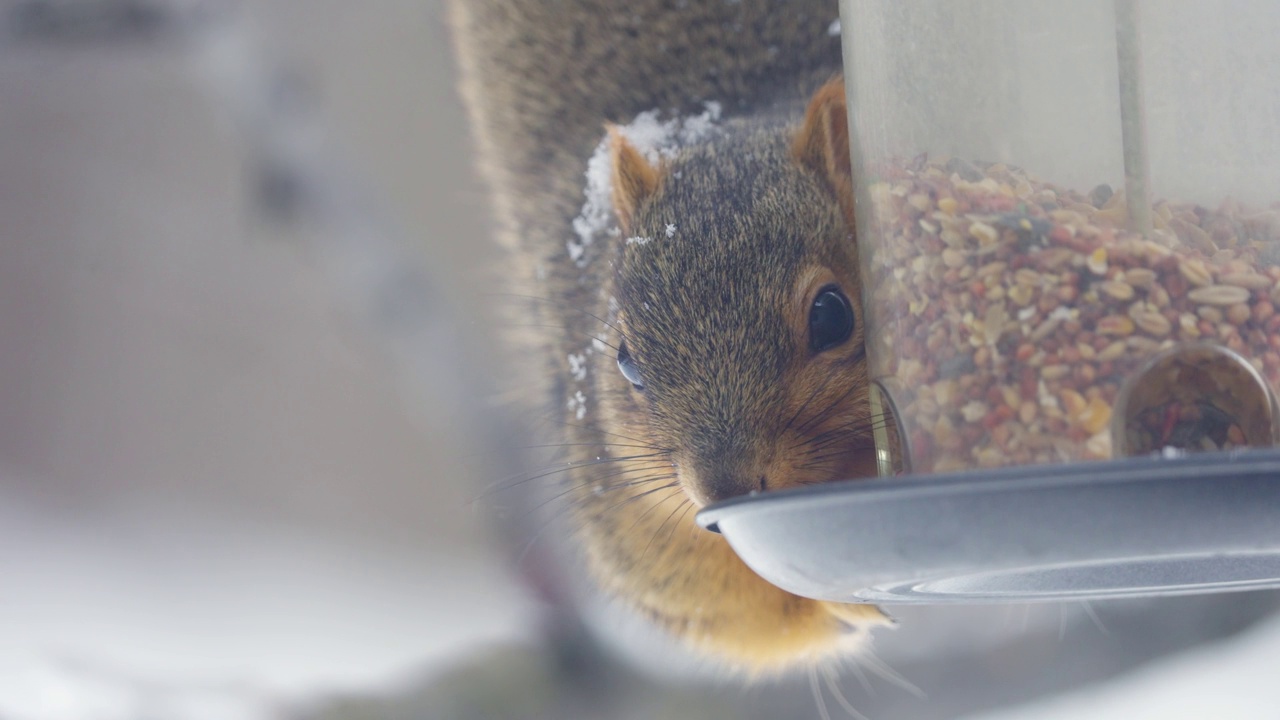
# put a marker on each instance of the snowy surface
(154, 614)
(1230, 680)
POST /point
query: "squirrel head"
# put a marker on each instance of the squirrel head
(741, 349)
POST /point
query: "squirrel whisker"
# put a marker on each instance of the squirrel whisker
(604, 487)
(817, 693)
(565, 306)
(585, 444)
(675, 483)
(555, 518)
(685, 504)
(831, 407)
(805, 406)
(880, 669)
(572, 331)
(597, 430)
(843, 701)
(513, 481)
(830, 437)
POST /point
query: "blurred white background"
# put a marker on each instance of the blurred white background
(212, 481)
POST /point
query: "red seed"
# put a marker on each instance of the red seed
(1263, 310)
(1027, 383)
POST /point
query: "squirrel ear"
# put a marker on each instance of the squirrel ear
(634, 178)
(822, 144)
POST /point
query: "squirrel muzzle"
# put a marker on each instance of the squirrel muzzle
(719, 478)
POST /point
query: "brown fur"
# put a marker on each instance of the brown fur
(823, 144)
(715, 317)
(634, 179)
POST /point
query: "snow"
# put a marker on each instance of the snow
(657, 139)
(597, 212)
(578, 366)
(578, 404)
(172, 613)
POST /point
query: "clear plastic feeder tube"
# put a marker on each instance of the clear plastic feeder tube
(1068, 225)
(1133, 124)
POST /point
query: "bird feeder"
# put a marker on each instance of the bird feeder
(1069, 230)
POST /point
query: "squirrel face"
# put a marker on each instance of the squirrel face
(739, 367)
(740, 311)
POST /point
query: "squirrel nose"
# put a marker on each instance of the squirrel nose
(714, 485)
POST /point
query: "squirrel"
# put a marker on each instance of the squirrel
(712, 322)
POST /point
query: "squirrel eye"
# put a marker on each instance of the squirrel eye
(831, 319)
(628, 366)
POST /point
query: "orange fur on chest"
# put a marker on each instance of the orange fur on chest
(646, 548)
